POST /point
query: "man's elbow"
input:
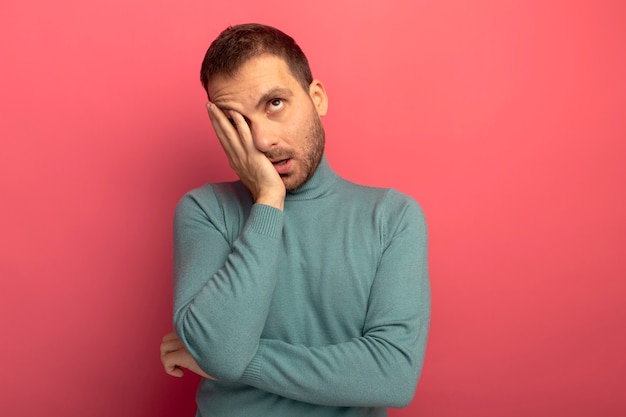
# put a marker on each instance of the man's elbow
(224, 370)
(403, 394)
(225, 360)
(402, 388)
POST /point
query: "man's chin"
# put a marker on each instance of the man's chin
(292, 183)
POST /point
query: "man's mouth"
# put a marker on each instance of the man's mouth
(282, 166)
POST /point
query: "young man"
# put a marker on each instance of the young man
(296, 292)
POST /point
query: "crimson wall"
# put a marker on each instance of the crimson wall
(505, 119)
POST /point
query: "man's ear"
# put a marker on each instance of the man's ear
(319, 97)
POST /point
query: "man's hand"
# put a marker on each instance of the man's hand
(175, 357)
(251, 165)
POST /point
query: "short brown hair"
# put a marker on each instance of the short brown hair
(237, 44)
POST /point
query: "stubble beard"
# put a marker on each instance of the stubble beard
(315, 139)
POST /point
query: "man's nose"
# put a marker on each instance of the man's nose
(263, 135)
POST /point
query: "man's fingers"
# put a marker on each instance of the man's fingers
(243, 129)
(173, 354)
(170, 364)
(170, 336)
(232, 130)
(225, 131)
(176, 358)
(171, 346)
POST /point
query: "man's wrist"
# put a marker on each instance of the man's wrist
(272, 200)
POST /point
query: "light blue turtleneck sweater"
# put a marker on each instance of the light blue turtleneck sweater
(319, 310)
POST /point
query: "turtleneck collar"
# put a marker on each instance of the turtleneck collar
(319, 184)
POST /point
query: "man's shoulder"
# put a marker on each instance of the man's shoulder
(376, 194)
(222, 196)
(222, 191)
(385, 203)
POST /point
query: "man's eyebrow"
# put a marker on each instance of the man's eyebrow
(275, 92)
(272, 93)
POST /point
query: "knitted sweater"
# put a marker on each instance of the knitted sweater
(318, 310)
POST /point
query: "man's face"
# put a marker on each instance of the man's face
(283, 118)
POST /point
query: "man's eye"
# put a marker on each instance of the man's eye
(232, 122)
(275, 105)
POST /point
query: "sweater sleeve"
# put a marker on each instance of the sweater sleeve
(222, 289)
(379, 369)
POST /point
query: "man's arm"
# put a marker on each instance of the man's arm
(379, 369)
(223, 292)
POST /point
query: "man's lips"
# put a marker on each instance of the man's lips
(282, 166)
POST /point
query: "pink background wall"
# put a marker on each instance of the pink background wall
(505, 119)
